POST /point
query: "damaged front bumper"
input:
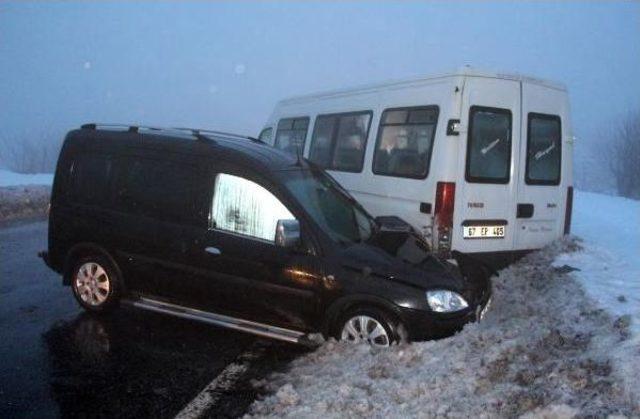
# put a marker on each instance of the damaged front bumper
(424, 325)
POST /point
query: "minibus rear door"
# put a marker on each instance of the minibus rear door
(541, 193)
(485, 208)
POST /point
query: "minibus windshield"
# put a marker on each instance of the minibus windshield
(330, 206)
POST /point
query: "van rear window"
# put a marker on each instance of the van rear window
(544, 142)
(489, 145)
(291, 134)
(339, 141)
(90, 179)
(405, 141)
(161, 189)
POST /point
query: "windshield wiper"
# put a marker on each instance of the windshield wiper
(540, 154)
(488, 148)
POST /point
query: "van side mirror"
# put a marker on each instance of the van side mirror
(287, 233)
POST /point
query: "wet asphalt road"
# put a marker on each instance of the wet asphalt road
(57, 361)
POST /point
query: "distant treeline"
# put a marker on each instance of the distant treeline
(624, 160)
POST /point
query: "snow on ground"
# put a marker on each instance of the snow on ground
(8, 178)
(609, 267)
(545, 349)
(610, 262)
(23, 195)
(27, 201)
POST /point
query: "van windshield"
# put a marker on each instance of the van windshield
(335, 211)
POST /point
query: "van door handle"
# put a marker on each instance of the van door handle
(213, 250)
(525, 211)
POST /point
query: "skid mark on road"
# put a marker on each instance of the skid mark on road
(224, 382)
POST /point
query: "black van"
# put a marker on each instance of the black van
(227, 230)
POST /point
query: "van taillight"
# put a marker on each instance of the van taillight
(568, 210)
(443, 213)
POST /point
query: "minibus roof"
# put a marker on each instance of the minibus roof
(465, 71)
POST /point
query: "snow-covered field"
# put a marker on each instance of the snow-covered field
(557, 343)
(23, 195)
(610, 263)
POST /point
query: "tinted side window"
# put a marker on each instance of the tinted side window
(90, 174)
(405, 141)
(291, 134)
(164, 190)
(544, 142)
(489, 145)
(243, 207)
(339, 141)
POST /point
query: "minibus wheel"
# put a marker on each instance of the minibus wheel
(95, 283)
(369, 325)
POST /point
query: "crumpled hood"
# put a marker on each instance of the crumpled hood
(402, 257)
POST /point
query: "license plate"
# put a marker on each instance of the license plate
(483, 232)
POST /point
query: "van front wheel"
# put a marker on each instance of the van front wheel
(95, 284)
(371, 326)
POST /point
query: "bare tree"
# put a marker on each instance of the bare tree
(625, 158)
(30, 153)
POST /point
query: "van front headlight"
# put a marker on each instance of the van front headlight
(445, 301)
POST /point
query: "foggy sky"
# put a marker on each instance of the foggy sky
(223, 65)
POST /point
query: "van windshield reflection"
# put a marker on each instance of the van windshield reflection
(330, 206)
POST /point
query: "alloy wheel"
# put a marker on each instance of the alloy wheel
(92, 284)
(363, 328)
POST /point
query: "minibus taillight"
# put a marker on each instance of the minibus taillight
(443, 213)
(568, 210)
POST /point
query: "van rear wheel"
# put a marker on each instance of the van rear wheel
(95, 284)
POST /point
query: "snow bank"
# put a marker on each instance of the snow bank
(543, 350)
(8, 178)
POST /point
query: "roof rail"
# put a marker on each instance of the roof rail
(131, 128)
(137, 128)
(196, 132)
(222, 133)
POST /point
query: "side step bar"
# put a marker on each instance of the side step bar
(259, 329)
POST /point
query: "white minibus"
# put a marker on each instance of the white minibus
(477, 162)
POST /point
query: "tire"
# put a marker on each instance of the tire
(370, 325)
(96, 284)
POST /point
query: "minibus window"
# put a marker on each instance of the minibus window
(405, 141)
(244, 207)
(339, 141)
(489, 145)
(291, 134)
(543, 149)
(320, 152)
